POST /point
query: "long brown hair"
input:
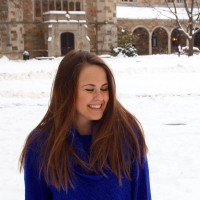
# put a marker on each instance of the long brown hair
(118, 139)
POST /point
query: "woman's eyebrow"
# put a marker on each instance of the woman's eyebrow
(94, 85)
(105, 84)
(89, 85)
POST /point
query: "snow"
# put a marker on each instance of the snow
(57, 12)
(131, 12)
(49, 39)
(88, 38)
(77, 12)
(162, 91)
(65, 21)
(61, 12)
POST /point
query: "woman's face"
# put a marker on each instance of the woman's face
(92, 94)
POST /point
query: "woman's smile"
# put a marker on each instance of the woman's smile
(95, 106)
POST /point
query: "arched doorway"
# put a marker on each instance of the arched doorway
(177, 37)
(197, 40)
(142, 41)
(159, 41)
(67, 42)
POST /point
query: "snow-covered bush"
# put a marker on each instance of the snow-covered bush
(126, 41)
(128, 51)
(186, 49)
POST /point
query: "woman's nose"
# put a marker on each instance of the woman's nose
(98, 95)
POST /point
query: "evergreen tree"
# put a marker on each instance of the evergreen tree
(126, 43)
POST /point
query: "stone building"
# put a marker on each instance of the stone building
(54, 27)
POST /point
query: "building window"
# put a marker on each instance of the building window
(44, 6)
(65, 5)
(78, 6)
(51, 5)
(58, 5)
(38, 8)
(154, 41)
(75, 6)
(71, 6)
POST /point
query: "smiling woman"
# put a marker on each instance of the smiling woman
(87, 146)
(92, 97)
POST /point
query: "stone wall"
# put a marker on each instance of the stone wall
(101, 16)
(20, 30)
(16, 28)
(34, 39)
(4, 27)
(150, 25)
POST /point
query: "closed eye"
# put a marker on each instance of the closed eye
(104, 89)
(89, 90)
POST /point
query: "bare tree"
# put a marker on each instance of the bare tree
(187, 18)
(190, 30)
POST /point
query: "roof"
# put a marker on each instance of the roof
(129, 12)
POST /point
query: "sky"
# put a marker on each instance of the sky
(162, 91)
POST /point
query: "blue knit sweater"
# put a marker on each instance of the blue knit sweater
(87, 186)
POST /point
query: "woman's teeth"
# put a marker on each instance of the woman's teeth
(95, 106)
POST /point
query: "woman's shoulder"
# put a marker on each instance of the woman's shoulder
(37, 138)
(35, 142)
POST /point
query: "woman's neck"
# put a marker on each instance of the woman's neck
(84, 128)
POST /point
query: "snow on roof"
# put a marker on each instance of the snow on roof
(59, 12)
(77, 12)
(65, 20)
(128, 12)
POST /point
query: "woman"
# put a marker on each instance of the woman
(87, 146)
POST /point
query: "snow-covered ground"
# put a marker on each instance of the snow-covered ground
(163, 91)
